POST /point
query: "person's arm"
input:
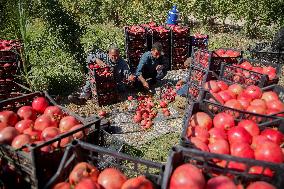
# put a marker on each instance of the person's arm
(140, 66)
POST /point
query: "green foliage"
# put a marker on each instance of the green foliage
(51, 68)
(101, 36)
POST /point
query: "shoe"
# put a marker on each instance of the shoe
(85, 95)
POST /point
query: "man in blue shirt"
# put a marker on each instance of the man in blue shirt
(152, 65)
(112, 58)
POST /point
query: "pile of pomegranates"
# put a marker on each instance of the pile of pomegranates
(190, 176)
(251, 98)
(37, 123)
(87, 176)
(147, 110)
(222, 135)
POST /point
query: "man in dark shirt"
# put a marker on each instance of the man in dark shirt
(152, 65)
(112, 58)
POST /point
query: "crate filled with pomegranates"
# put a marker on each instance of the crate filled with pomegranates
(89, 166)
(34, 132)
(191, 168)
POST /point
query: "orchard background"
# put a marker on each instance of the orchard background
(57, 34)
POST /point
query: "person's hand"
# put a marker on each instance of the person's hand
(159, 67)
(131, 78)
(146, 85)
(180, 82)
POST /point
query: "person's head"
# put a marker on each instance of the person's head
(156, 50)
(113, 53)
(187, 63)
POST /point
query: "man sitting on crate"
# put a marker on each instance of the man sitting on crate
(113, 59)
(152, 66)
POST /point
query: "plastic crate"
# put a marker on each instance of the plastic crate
(201, 58)
(139, 34)
(103, 158)
(217, 60)
(199, 42)
(11, 89)
(35, 166)
(205, 161)
(211, 108)
(261, 52)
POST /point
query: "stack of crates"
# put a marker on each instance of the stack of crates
(179, 46)
(135, 44)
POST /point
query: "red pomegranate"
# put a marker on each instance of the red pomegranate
(223, 121)
(201, 119)
(187, 176)
(111, 178)
(27, 112)
(269, 151)
(39, 104)
(139, 182)
(23, 125)
(260, 185)
(250, 126)
(273, 135)
(8, 117)
(239, 134)
(253, 91)
(220, 182)
(67, 123)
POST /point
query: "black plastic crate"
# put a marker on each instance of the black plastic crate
(211, 108)
(234, 74)
(217, 60)
(180, 32)
(201, 58)
(135, 33)
(200, 42)
(11, 89)
(205, 161)
(103, 158)
(105, 99)
(261, 51)
(36, 166)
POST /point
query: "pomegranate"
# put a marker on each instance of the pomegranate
(219, 146)
(87, 183)
(187, 176)
(27, 112)
(8, 117)
(21, 140)
(236, 89)
(62, 185)
(222, 85)
(260, 185)
(54, 111)
(246, 65)
(223, 121)
(269, 151)
(199, 144)
(253, 91)
(244, 96)
(258, 102)
(258, 140)
(273, 135)
(8, 134)
(275, 105)
(67, 123)
(39, 104)
(268, 96)
(79, 134)
(81, 170)
(111, 178)
(62, 143)
(49, 133)
(138, 183)
(3, 125)
(235, 104)
(167, 113)
(256, 110)
(225, 95)
(23, 125)
(217, 133)
(250, 126)
(43, 122)
(239, 134)
(201, 119)
(201, 133)
(220, 182)
(259, 170)
(163, 104)
(137, 118)
(102, 113)
(241, 149)
(245, 103)
(217, 97)
(35, 134)
(212, 86)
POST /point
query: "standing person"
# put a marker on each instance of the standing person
(152, 65)
(112, 58)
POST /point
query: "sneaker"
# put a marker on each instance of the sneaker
(85, 95)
